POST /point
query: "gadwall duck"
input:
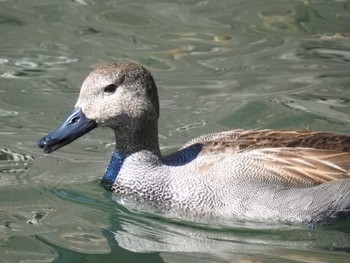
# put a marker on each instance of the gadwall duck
(299, 177)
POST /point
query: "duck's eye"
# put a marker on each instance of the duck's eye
(110, 88)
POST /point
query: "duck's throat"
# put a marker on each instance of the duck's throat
(113, 169)
(131, 141)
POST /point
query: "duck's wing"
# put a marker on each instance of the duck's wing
(292, 158)
(294, 167)
(253, 139)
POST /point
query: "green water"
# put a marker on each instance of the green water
(219, 65)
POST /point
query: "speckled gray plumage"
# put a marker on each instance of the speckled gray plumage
(268, 175)
(239, 194)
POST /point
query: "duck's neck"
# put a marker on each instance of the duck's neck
(128, 142)
(136, 140)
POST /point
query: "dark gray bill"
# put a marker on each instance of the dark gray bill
(75, 125)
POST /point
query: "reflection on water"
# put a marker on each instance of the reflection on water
(225, 242)
(219, 65)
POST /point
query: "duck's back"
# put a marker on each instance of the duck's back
(240, 139)
(266, 175)
(290, 158)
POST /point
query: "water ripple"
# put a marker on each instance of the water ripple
(34, 61)
(15, 164)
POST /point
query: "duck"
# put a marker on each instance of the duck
(268, 175)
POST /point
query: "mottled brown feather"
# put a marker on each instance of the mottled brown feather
(253, 139)
(295, 158)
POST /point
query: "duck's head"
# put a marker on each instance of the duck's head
(122, 96)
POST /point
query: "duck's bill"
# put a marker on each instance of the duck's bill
(75, 125)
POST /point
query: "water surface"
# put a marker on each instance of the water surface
(219, 65)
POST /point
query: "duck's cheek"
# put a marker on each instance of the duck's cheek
(110, 121)
(90, 111)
